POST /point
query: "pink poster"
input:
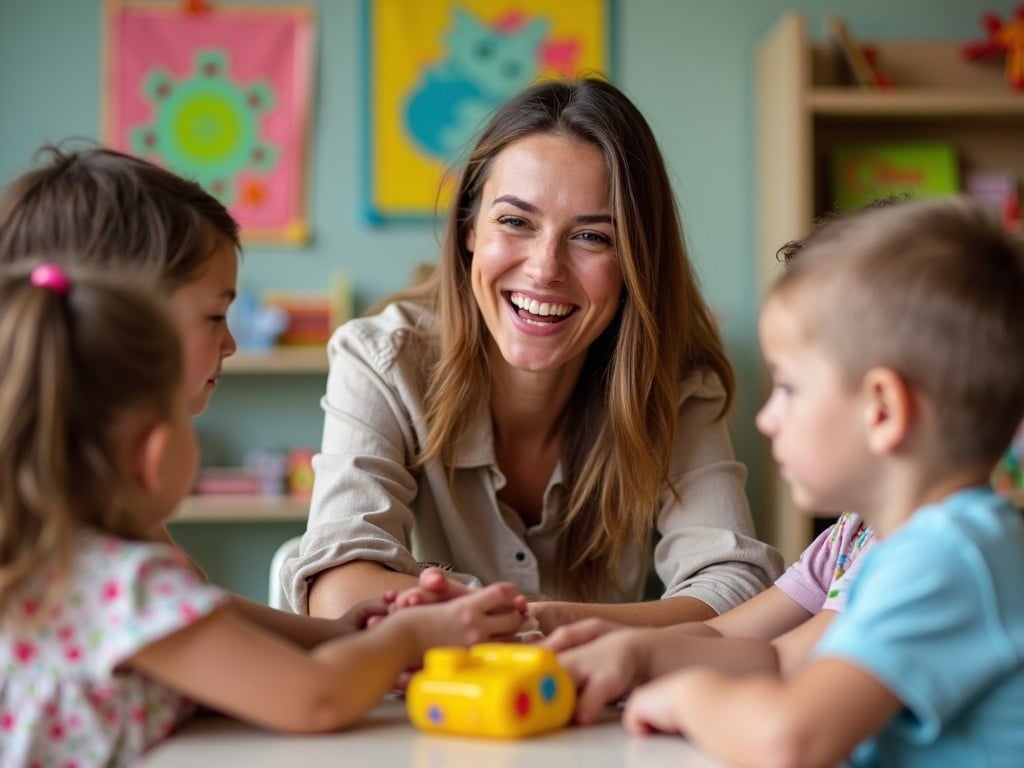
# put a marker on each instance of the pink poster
(220, 95)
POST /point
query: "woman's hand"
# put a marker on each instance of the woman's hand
(434, 587)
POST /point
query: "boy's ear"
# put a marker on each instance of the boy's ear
(150, 452)
(889, 409)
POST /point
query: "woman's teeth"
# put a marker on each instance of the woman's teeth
(541, 309)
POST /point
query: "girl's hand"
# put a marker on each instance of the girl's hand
(365, 614)
(490, 613)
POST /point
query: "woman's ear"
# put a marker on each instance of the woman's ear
(889, 409)
(470, 238)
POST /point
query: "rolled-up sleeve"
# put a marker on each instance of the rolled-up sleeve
(707, 547)
(363, 488)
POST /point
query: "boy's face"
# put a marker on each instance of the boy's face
(201, 308)
(814, 420)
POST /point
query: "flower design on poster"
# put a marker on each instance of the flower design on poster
(222, 96)
(439, 68)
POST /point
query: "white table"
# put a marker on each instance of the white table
(386, 739)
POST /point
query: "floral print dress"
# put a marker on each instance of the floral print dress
(64, 702)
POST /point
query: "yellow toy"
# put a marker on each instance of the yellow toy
(505, 690)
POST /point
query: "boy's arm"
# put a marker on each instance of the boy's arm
(764, 720)
(608, 668)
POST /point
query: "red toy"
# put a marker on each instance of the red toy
(1003, 37)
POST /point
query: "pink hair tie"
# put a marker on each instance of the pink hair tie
(51, 277)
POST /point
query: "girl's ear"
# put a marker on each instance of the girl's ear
(150, 455)
(470, 238)
(889, 409)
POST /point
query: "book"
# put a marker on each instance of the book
(861, 67)
(861, 173)
(1000, 191)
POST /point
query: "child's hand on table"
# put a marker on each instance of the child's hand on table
(365, 614)
(603, 670)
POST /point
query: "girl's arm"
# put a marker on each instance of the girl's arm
(232, 664)
(763, 720)
(305, 631)
(766, 615)
(794, 647)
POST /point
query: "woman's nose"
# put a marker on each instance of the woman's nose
(544, 264)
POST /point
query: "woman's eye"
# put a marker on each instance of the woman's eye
(595, 237)
(512, 221)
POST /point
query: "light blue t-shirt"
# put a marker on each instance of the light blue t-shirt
(937, 615)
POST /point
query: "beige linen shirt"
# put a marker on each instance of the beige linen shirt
(368, 505)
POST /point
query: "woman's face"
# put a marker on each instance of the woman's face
(545, 269)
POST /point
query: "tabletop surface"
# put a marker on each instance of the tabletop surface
(385, 738)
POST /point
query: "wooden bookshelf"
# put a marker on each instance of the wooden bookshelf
(807, 106)
(284, 360)
(239, 508)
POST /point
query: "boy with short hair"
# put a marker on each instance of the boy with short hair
(896, 346)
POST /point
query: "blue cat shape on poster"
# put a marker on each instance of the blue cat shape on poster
(484, 66)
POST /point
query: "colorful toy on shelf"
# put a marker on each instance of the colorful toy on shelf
(862, 60)
(504, 690)
(1003, 38)
(300, 473)
(255, 326)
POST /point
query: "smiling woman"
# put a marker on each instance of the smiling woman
(548, 403)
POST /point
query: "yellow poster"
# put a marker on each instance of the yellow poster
(438, 68)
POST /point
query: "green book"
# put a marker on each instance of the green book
(861, 173)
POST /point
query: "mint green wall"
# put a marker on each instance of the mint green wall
(687, 63)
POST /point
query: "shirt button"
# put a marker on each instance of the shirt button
(520, 557)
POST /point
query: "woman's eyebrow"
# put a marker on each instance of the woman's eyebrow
(589, 218)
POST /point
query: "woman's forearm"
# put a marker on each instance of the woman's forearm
(335, 591)
(654, 613)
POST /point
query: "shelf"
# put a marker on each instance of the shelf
(806, 108)
(311, 359)
(240, 508)
(924, 103)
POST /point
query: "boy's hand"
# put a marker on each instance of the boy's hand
(579, 632)
(604, 670)
(659, 706)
